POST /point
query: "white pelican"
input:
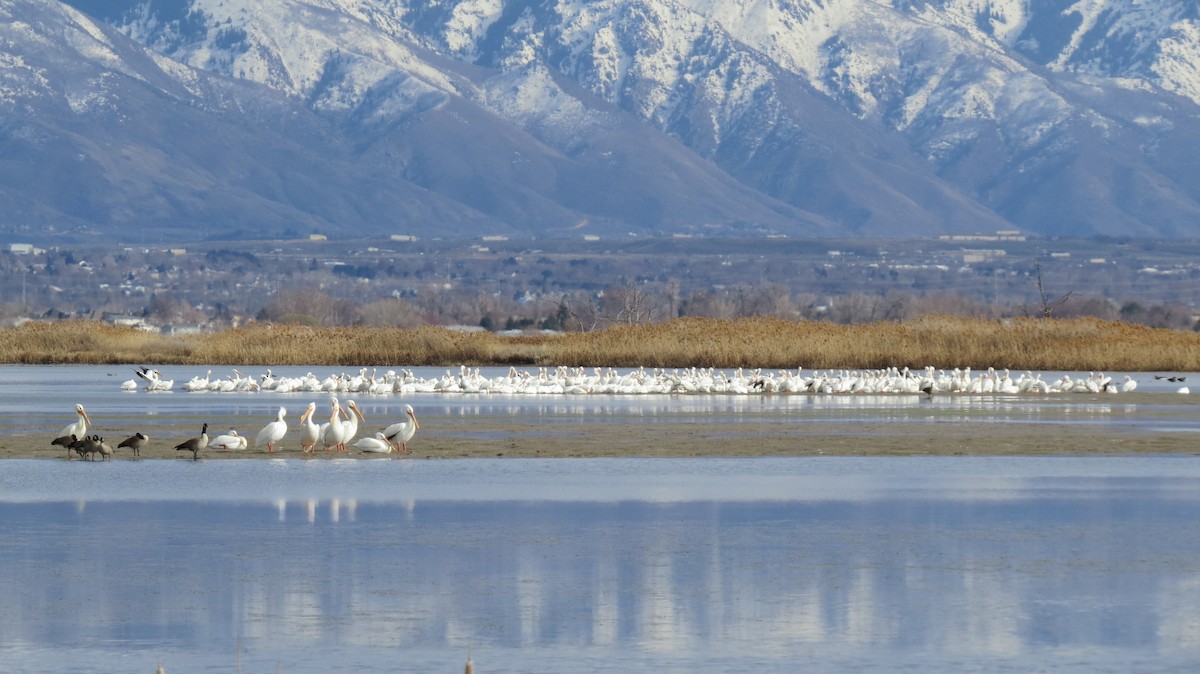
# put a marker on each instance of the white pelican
(272, 432)
(230, 440)
(194, 445)
(375, 445)
(79, 428)
(350, 428)
(333, 433)
(309, 430)
(135, 443)
(148, 375)
(154, 380)
(198, 383)
(399, 433)
(340, 432)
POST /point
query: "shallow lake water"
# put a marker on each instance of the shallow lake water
(602, 565)
(824, 564)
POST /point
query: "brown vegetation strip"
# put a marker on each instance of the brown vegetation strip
(1019, 344)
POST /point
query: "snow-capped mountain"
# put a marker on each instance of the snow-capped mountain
(235, 118)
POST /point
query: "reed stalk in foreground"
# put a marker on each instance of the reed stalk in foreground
(1018, 344)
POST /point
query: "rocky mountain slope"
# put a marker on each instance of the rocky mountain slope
(145, 120)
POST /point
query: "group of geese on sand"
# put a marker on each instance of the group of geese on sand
(581, 381)
(333, 435)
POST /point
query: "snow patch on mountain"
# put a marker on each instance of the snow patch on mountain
(1178, 62)
(19, 80)
(532, 98)
(469, 22)
(289, 46)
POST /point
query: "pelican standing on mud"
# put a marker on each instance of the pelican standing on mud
(272, 432)
(399, 433)
(310, 432)
(78, 429)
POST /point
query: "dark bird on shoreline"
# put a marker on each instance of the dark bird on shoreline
(85, 447)
(67, 441)
(135, 443)
(194, 445)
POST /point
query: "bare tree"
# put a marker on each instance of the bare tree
(391, 313)
(629, 304)
(585, 314)
(1046, 305)
(708, 303)
(311, 307)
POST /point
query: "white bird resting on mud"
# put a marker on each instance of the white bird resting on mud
(227, 441)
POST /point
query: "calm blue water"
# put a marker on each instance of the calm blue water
(822, 564)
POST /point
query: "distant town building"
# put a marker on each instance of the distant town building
(978, 256)
(1000, 235)
(125, 321)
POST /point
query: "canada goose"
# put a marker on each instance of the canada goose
(67, 441)
(135, 443)
(194, 445)
(86, 446)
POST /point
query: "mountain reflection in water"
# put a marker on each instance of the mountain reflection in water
(1092, 571)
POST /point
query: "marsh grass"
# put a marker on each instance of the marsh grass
(1019, 344)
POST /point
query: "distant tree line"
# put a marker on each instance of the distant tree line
(496, 292)
(631, 303)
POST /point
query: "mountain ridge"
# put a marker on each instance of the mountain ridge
(233, 119)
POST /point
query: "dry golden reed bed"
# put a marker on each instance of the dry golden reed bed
(1019, 344)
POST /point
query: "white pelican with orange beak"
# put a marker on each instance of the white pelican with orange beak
(272, 432)
(79, 428)
(310, 432)
(399, 433)
(375, 445)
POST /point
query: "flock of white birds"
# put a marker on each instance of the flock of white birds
(593, 381)
(337, 433)
(334, 434)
